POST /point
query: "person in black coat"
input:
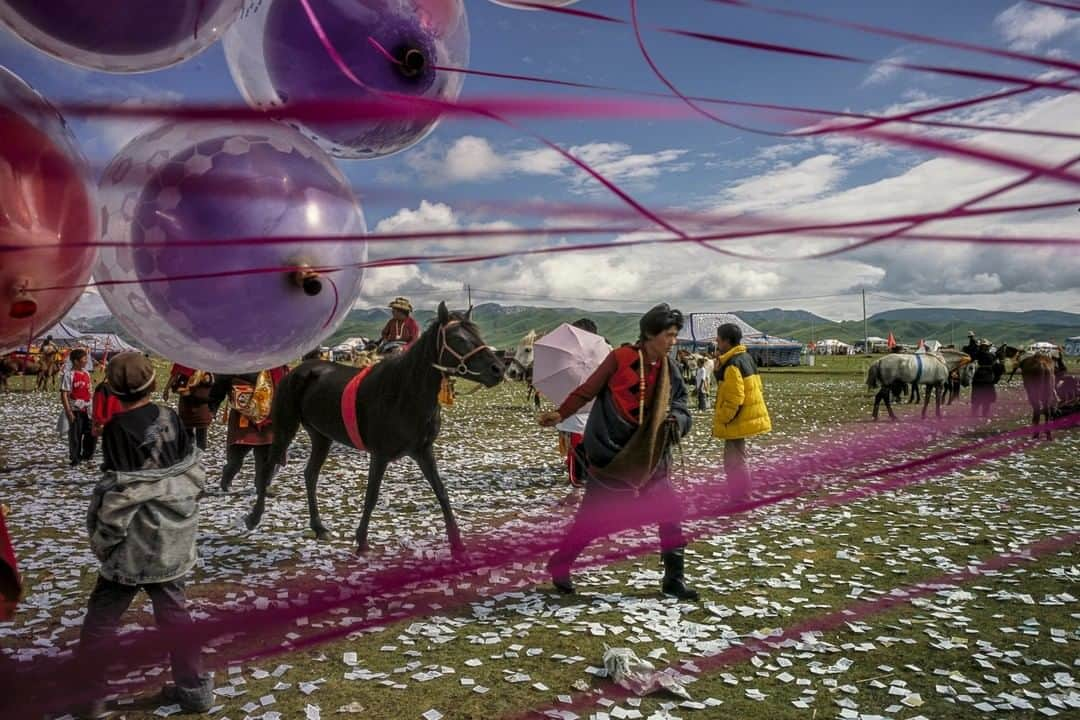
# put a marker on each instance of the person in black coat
(988, 371)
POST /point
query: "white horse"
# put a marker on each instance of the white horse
(520, 366)
(922, 369)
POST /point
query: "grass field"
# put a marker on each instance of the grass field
(1002, 642)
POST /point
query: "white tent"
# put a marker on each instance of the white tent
(104, 345)
(1041, 347)
(62, 334)
(699, 332)
(831, 346)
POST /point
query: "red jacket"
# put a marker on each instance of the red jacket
(106, 406)
(10, 583)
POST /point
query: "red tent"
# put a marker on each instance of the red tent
(892, 340)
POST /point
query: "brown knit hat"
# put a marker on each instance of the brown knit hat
(130, 374)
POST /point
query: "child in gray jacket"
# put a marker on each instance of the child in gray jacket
(142, 524)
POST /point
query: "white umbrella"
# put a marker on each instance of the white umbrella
(564, 358)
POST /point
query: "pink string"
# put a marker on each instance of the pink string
(1060, 4)
(822, 55)
(909, 36)
(144, 646)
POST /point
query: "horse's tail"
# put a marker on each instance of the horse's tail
(285, 411)
(873, 377)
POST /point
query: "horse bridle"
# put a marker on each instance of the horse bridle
(462, 369)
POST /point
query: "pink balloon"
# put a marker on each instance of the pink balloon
(47, 215)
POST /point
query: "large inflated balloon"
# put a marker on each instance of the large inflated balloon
(47, 215)
(276, 57)
(174, 194)
(120, 35)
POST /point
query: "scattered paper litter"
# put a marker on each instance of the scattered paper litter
(640, 676)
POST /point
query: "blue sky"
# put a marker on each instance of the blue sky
(694, 163)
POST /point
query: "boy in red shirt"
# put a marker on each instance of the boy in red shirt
(76, 395)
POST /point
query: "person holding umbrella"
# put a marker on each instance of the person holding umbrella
(640, 412)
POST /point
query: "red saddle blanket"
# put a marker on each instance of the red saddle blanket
(348, 408)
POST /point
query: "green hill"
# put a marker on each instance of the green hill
(504, 325)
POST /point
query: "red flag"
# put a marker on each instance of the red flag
(892, 340)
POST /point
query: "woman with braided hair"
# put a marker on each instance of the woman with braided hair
(640, 412)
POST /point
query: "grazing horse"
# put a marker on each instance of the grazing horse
(392, 412)
(17, 364)
(927, 370)
(960, 373)
(520, 366)
(1037, 371)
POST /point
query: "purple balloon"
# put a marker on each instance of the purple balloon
(203, 185)
(120, 35)
(276, 57)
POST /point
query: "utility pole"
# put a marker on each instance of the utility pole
(865, 331)
(468, 289)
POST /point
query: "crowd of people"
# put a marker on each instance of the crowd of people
(619, 430)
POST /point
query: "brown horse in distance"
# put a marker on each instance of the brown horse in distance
(1039, 378)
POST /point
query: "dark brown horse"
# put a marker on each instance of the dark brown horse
(1037, 373)
(397, 414)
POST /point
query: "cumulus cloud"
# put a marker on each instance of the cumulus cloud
(1026, 27)
(785, 186)
(474, 159)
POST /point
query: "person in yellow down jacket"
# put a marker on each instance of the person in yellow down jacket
(740, 407)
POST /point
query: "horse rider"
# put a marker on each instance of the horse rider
(401, 330)
(988, 370)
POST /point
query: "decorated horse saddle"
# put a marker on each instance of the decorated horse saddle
(348, 408)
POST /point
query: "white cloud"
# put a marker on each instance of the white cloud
(958, 275)
(883, 71)
(785, 186)
(474, 159)
(1025, 26)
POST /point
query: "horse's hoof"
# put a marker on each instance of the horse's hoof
(459, 553)
(322, 534)
(361, 549)
(250, 523)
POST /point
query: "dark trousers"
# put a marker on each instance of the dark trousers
(702, 399)
(198, 436)
(983, 397)
(108, 602)
(234, 460)
(736, 469)
(607, 509)
(81, 441)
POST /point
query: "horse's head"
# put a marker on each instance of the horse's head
(521, 363)
(462, 352)
(967, 373)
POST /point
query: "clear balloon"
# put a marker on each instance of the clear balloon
(276, 57)
(174, 195)
(547, 3)
(48, 218)
(121, 36)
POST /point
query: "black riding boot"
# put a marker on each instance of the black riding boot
(674, 579)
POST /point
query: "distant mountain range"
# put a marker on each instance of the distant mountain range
(504, 325)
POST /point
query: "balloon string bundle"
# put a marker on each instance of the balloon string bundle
(789, 475)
